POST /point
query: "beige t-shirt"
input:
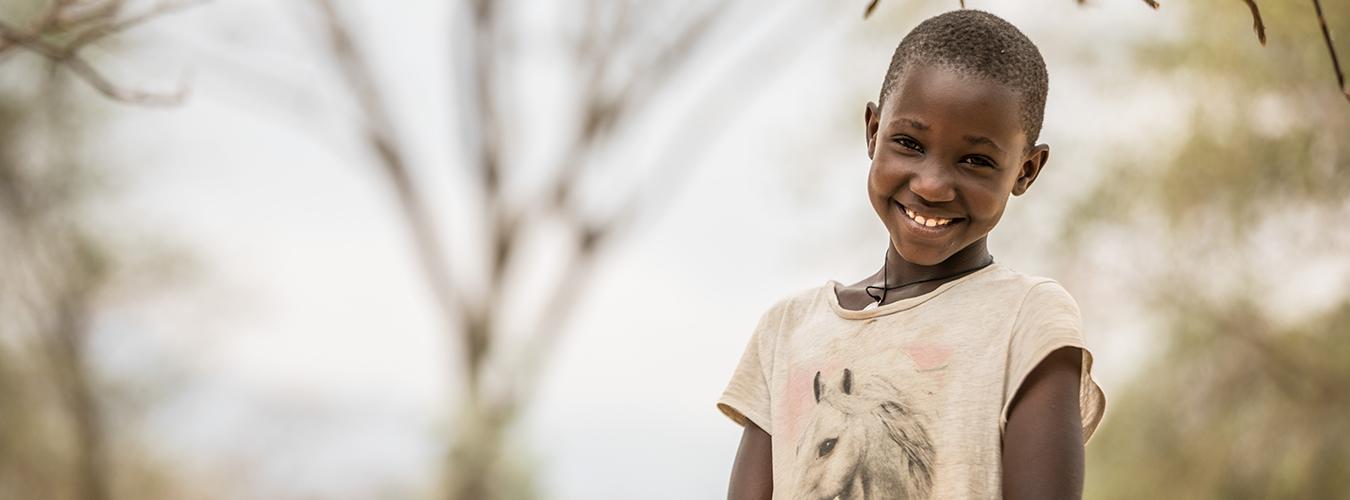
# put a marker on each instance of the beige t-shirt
(907, 400)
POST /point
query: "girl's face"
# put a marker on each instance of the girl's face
(947, 149)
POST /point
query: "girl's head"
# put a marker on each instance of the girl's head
(954, 133)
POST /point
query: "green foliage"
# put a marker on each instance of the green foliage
(1234, 409)
(1242, 402)
(1269, 124)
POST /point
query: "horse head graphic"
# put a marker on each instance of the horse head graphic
(863, 441)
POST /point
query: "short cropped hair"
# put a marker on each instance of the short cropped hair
(977, 43)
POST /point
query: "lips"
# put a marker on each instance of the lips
(928, 223)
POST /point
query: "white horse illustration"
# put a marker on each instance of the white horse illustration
(863, 443)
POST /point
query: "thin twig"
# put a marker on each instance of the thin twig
(871, 6)
(68, 14)
(102, 31)
(1257, 24)
(604, 112)
(32, 42)
(501, 231)
(95, 79)
(1331, 49)
(558, 308)
(64, 14)
(668, 175)
(416, 213)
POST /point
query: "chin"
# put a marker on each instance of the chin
(921, 256)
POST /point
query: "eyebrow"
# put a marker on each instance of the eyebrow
(970, 139)
(979, 139)
(915, 124)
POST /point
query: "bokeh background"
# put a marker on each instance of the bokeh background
(513, 249)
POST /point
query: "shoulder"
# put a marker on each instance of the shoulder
(1046, 311)
(1012, 290)
(1032, 291)
(1048, 298)
(795, 306)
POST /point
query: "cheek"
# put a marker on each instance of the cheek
(875, 189)
(988, 209)
(883, 180)
(873, 181)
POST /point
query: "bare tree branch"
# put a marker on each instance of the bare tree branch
(593, 236)
(601, 113)
(605, 112)
(379, 135)
(1331, 49)
(72, 13)
(1257, 24)
(618, 81)
(64, 277)
(113, 27)
(66, 14)
(69, 345)
(501, 231)
(871, 6)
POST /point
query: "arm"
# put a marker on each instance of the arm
(1043, 440)
(752, 474)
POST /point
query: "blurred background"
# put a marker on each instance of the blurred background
(513, 250)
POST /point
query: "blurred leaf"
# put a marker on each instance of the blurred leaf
(1239, 404)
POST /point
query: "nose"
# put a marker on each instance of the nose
(933, 183)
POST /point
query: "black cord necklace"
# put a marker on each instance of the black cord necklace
(886, 287)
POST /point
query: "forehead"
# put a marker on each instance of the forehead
(942, 98)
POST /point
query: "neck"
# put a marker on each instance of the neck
(899, 271)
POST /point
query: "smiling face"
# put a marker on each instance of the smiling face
(947, 149)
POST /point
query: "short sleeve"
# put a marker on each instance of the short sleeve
(747, 395)
(1048, 320)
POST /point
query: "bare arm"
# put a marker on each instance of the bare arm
(1043, 441)
(752, 474)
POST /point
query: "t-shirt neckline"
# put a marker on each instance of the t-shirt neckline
(832, 296)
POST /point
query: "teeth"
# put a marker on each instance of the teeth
(926, 221)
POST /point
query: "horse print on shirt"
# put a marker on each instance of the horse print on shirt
(863, 442)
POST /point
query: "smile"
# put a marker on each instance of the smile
(927, 221)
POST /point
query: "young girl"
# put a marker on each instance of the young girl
(945, 374)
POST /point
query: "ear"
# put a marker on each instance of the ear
(848, 381)
(870, 119)
(818, 387)
(1032, 164)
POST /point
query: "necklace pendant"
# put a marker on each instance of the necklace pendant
(870, 306)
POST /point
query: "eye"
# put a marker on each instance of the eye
(827, 445)
(908, 143)
(979, 160)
